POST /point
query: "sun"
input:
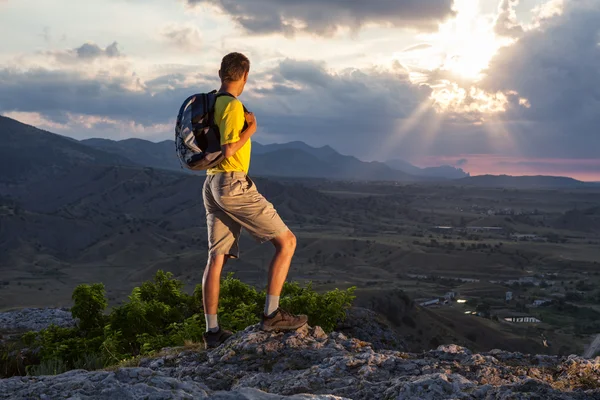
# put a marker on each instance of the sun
(453, 60)
(462, 47)
(467, 42)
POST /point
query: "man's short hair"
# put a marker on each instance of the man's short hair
(234, 66)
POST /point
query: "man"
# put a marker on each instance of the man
(233, 202)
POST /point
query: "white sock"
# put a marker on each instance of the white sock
(271, 305)
(211, 323)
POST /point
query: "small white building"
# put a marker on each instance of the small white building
(540, 302)
(528, 320)
(430, 303)
(509, 296)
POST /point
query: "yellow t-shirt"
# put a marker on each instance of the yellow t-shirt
(230, 118)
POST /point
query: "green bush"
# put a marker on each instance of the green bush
(159, 314)
(89, 305)
(324, 310)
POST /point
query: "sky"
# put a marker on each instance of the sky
(490, 86)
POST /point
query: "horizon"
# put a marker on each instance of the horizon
(456, 83)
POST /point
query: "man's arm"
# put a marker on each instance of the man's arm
(230, 149)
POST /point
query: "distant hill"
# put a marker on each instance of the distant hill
(443, 171)
(142, 152)
(524, 182)
(299, 160)
(322, 153)
(28, 153)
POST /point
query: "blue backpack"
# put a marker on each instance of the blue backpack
(197, 137)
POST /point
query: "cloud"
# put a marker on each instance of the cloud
(363, 112)
(546, 11)
(461, 162)
(66, 93)
(87, 52)
(506, 22)
(308, 88)
(325, 18)
(293, 100)
(417, 47)
(183, 37)
(555, 67)
(91, 51)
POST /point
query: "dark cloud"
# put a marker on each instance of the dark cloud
(326, 17)
(91, 51)
(506, 22)
(557, 68)
(461, 162)
(308, 88)
(55, 94)
(86, 53)
(295, 100)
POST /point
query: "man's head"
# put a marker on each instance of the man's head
(234, 69)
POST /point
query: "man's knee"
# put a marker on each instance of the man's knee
(291, 240)
(286, 241)
(215, 261)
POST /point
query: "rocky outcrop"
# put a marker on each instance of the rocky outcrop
(35, 319)
(367, 325)
(259, 365)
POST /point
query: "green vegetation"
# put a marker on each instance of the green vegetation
(158, 314)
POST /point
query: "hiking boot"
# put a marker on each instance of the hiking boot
(215, 339)
(282, 320)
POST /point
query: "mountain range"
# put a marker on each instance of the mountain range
(293, 159)
(299, 160)
(442, 171)
(289, 160)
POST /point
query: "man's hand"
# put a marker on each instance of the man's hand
(251, 121)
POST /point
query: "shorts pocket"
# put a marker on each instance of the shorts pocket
(237, 187)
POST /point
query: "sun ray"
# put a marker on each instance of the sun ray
(405, 126)
(500, 135)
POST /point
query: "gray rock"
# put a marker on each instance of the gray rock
(36, 319)
(308, 364)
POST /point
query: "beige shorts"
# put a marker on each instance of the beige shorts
(232, 202)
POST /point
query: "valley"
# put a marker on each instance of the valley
(84, 216)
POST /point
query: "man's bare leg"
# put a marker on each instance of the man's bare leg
(274, 318)
(211, 285)
(285, 246)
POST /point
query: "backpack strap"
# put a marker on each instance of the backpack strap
(220, 94)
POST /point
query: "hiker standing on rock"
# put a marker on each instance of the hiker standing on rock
(233, 202)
